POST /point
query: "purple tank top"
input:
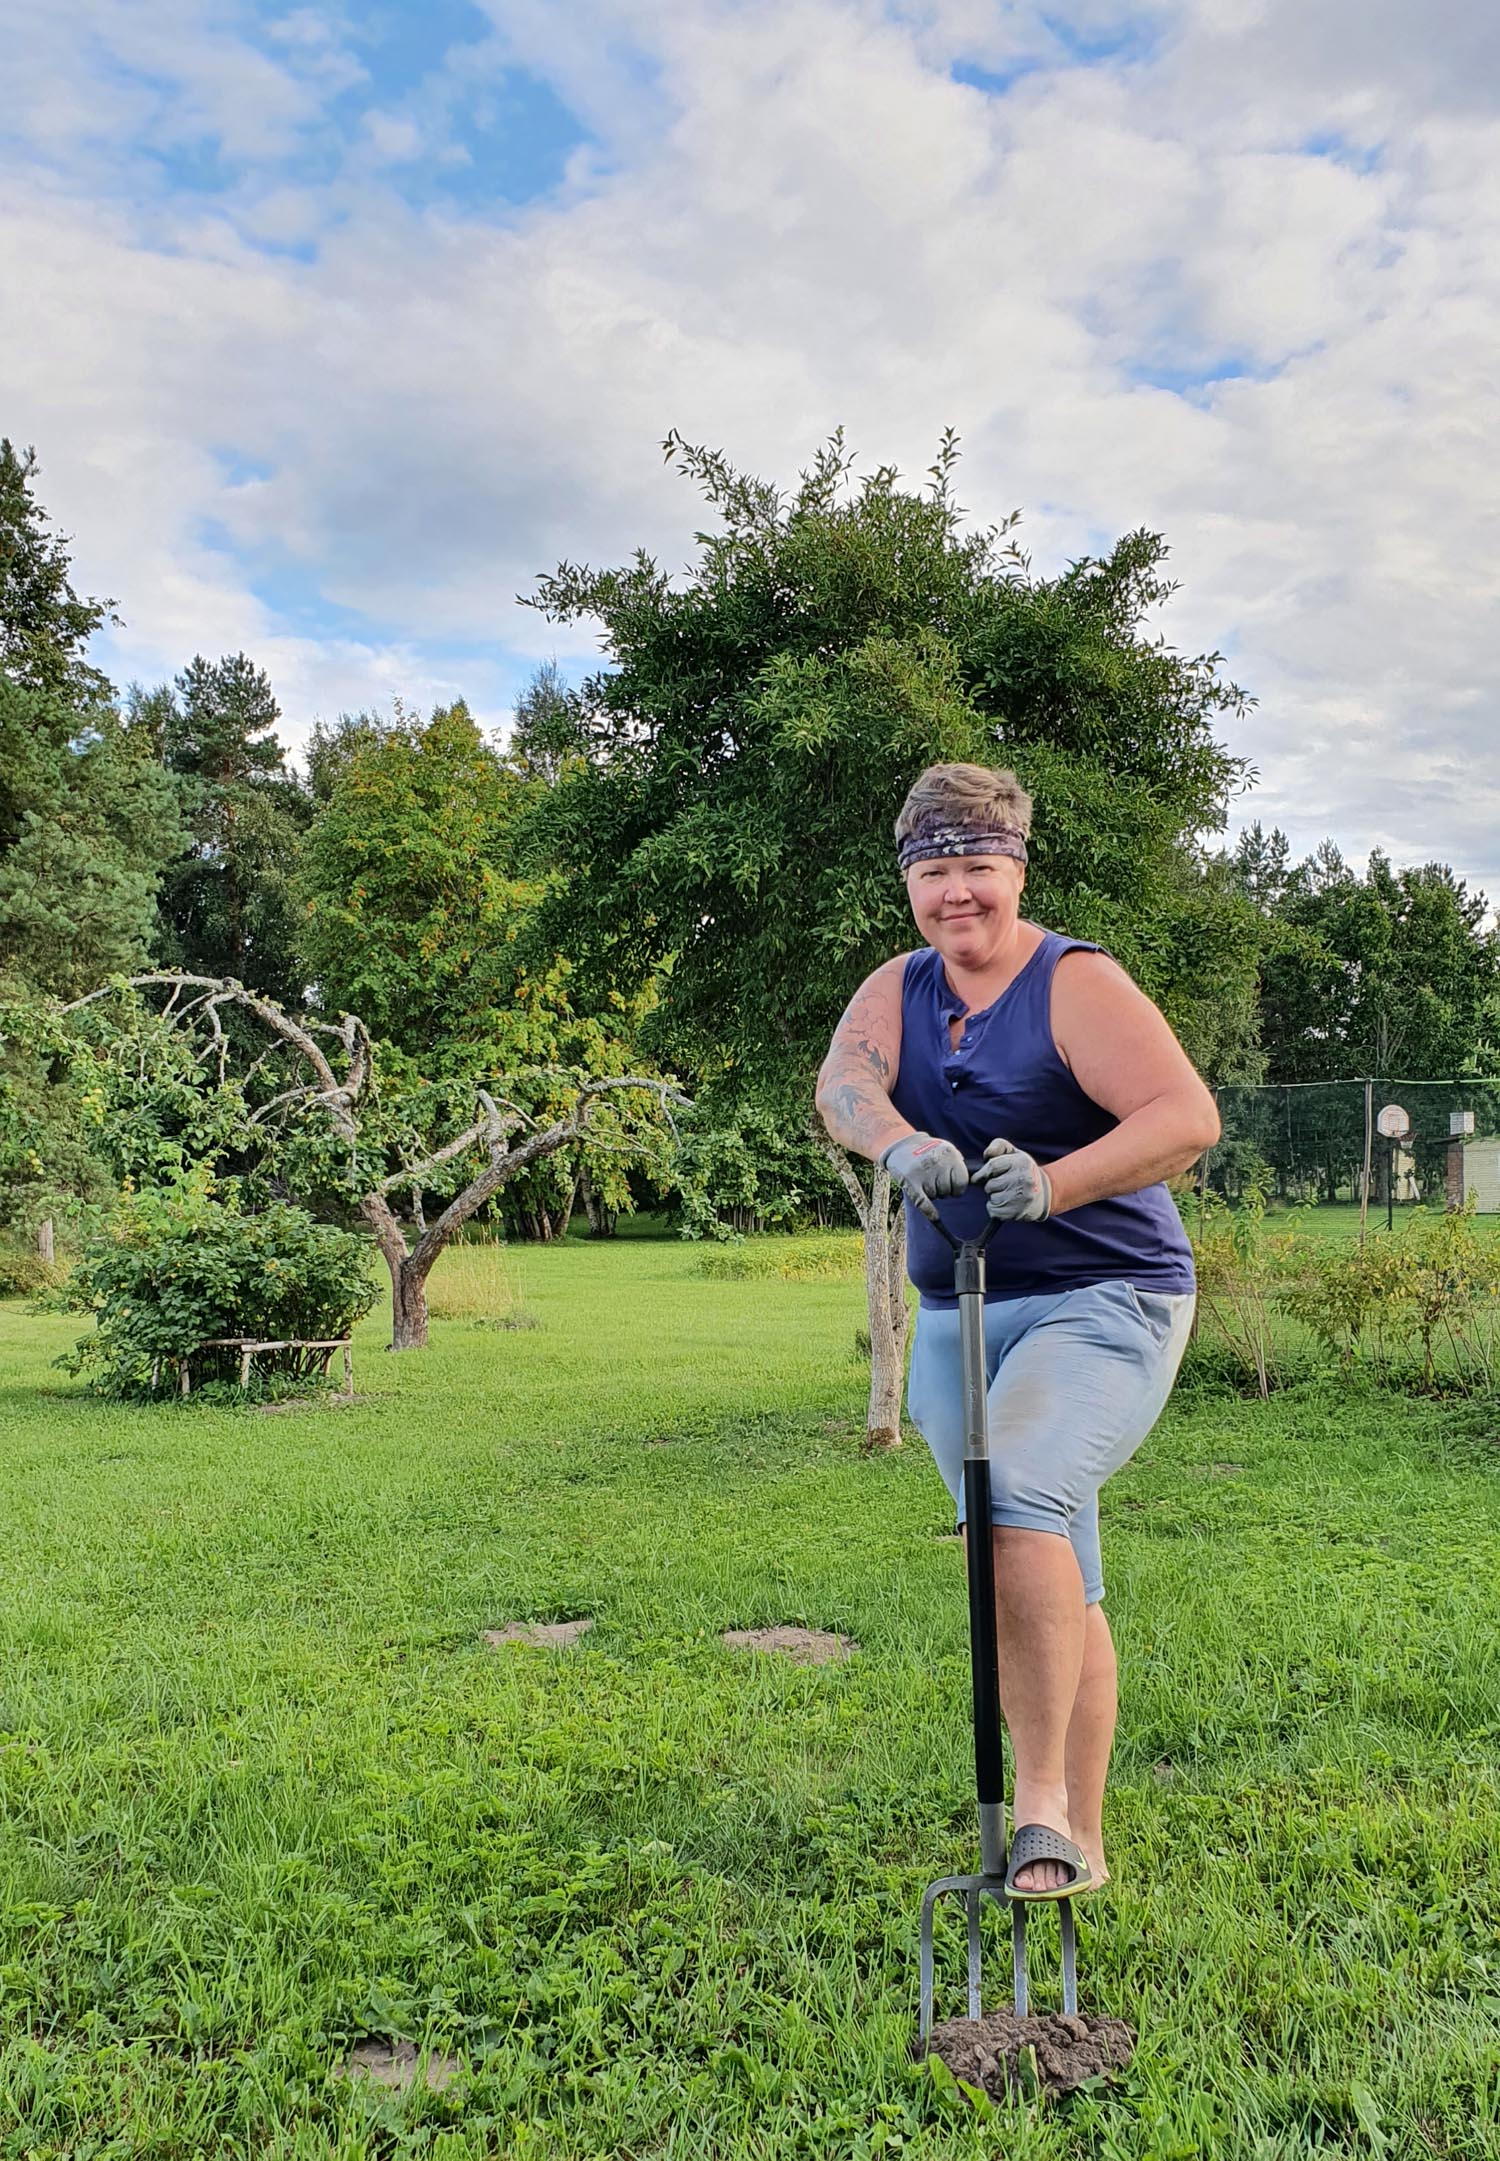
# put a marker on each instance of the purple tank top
(1006, 1078)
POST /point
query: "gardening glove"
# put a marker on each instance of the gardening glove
(1016, 1187)
(930, 1170)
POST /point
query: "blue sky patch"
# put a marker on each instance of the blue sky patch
(995, 81)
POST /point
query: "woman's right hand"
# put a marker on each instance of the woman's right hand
(930, 1170)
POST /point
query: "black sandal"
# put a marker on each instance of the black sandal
(1036, 1842)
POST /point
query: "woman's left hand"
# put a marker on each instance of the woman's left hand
(1016, 1187)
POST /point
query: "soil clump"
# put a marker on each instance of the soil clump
(804, 1646)
(994, 2052)
(399, 2065)
(549, 1635)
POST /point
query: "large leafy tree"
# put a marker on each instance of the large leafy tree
(415, 913)
(45, 626)
(748, 744)
(1388, 974)
(225, 903)
(87, 818)
(409, 908)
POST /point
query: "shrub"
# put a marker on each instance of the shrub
(1241, 1272)
(1404, 1305)
(175, 1267)
(816, 1257)
(26, 1275)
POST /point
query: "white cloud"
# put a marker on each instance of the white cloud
(794, 217)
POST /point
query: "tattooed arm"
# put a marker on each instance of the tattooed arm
(854, 1086)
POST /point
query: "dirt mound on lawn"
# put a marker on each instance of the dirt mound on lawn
(993, 2052)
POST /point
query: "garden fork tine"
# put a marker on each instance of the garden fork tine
(989, 1761)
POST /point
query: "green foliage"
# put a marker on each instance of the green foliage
(44, 625)
(409, 905)
(741, 1168)
(1389, 972)
(813, 1257)
(416, 914)
(177, 1266)
(226, 904)
(87, 819)
(1241, 1268)
(1405, 1305)
(26, 1275)
(547, 733)
(746, 752)
(1417, 1310)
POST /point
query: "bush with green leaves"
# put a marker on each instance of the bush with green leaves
(814, 1257)
(26, 1275)
(177, 1266)
(1421, 1308)
(1241, 1269)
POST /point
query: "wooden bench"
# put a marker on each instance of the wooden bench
(249, 1346)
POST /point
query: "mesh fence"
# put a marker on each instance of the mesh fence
(1320, 1141)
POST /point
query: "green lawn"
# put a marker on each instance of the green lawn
(264, 1792)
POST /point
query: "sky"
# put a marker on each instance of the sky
(334, 327)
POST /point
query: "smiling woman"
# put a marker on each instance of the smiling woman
(1018, 1075)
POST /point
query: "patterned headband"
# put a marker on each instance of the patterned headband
(962, 840)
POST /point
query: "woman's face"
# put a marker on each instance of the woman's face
(967, 906)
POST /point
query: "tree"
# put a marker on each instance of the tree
(319, 1113)
(746, 750)
(225, 904)
(44, 624)
(409, 908)
(87, 820)
(415, 913)
(547, 733)
(1389, 974)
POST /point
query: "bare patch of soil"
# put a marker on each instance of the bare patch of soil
(1052, 2054)
(399, 2065)
(550, 1635)
(804, 1646)
(335, 1399)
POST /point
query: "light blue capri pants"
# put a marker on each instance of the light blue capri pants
(1077, 1379)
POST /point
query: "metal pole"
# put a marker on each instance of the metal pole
(1364, 1181)
(1390, 1185)
(989, 1759)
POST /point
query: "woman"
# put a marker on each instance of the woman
(1004, 1070)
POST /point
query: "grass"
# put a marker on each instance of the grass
(264, 1793)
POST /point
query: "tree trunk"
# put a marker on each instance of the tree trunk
(885, 1297)
(601, 1221)
(408, 1273)
(885, 1288)
(46, 1249)
(569, 1205)
(409, 1307)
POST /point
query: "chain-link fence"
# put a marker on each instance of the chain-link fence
(1384, 1143)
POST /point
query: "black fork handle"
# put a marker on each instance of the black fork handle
(984, 1646)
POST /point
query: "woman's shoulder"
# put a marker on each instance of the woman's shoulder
(904, 968)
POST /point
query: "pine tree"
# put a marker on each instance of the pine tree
(225, 906)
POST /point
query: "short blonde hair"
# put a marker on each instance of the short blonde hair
(976, 795)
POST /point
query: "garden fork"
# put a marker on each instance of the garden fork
(989, 1760)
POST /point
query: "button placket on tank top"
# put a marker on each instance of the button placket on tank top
(957, 1061)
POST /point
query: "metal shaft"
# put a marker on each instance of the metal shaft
(989, 1755)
